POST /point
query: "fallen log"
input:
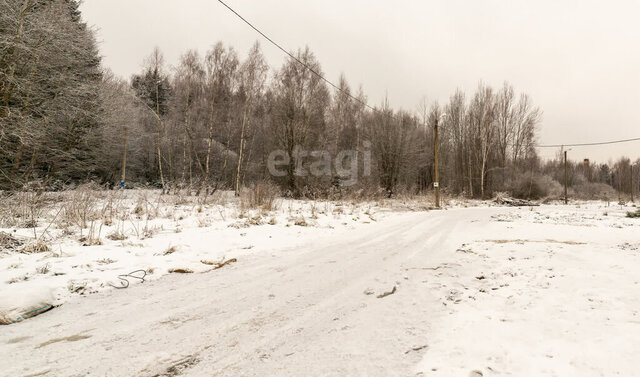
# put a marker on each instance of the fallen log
(513, 202)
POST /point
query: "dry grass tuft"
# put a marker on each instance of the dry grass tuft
(44, 269)
(170, 250)
(37, 246)
(9, 242)
(116, 236)
(634, 215)
(80, 208)
(300, 221)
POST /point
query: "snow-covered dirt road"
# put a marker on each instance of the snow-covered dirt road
(468, 291)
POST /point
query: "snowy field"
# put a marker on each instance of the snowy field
(83, 241)
(321, 288)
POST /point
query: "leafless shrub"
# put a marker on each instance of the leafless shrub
(81, 206)
(8, 210)
(593, 191)
(24, 208)
(533, 186)
(180, 197)
(148, 232)
(219, 197)
(93, 237)
(112, 206)
(259, 196)
(35, 205)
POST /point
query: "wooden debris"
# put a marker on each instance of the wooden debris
(513, 202)
(416, 348)
(180, 271)
(385, 294)
(220, 264)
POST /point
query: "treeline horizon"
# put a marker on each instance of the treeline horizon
(212, 122)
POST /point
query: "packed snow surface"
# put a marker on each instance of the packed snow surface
(338, 290)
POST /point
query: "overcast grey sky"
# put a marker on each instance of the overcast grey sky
(578, 59)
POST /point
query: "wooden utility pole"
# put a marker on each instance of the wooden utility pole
(566, 176)
(436, 183)
(587, 169)
(631, 168)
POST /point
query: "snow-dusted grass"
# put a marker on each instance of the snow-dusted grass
(79, 242)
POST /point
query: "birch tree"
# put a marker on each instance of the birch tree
(189, 89)
(482, 112)
(301, 99)
(221, 66)
(253, 75)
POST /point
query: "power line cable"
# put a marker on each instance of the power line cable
(373, 108)
(295, 58)
(588, 144)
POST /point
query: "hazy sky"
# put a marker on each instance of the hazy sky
(579, 59)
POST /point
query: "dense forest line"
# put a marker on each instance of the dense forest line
(218, 121)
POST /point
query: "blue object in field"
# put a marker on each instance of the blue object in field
(33, 313)
(122, 184)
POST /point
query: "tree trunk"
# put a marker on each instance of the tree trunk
(240, 152)
(207, 173)
(124, 157)
(160, 134)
